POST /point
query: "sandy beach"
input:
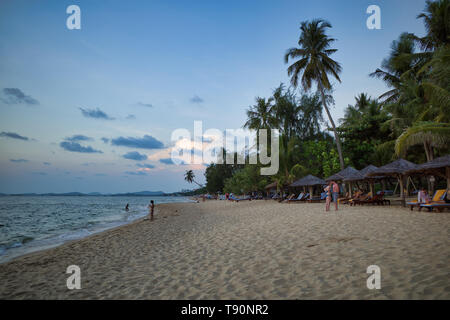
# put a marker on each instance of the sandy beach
(247, 250)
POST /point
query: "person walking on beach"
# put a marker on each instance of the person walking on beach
(151, 208)
(335, 193)
(328, 198)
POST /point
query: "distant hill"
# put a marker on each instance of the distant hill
(74, 194)
(141, 193)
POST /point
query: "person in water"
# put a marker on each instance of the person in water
(127, 207)
(151, 208)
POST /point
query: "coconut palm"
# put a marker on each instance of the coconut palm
(429, 134)
(189, 177)
(259, 116)
(436, 19)
(401, 60)
(315, 64)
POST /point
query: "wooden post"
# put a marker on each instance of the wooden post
(402, 193)
(447, 174)
(311, 192)
(350, 189)
(371, 188)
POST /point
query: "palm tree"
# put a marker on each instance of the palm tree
(436, 19)
(189, 177)
(315, 64)
(400, 60)
(259, 116)
(429, 134)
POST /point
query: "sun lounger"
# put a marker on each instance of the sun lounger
(439, 195)
(359, 199)
(437, 205)
(300, 196)
(322, 196)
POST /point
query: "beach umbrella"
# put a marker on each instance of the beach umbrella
(438, 167)
(398, 169)
(343, 174)
(361, 175)
(308, 181)
(270, 187)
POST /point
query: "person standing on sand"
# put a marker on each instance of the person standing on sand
(328, 198)
(335, 189)
(151, 208)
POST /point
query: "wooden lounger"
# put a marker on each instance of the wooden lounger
(438, 206)
(438, 196)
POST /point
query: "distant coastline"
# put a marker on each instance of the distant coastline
(98, 194)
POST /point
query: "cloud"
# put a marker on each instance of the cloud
(79, 137)
(76, 147)
(16, 96)
(147, 142)
(134, 155)
(40, 173)
(100, 175)
(136, 173)
(46, 163)
(131, 117)
(145, 165)
(105, 140)
(95, 113)
(13, 135)
(196, 99)
(166, 161)
(147, 105)
(18, 160)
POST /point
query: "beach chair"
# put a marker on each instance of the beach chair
(300, 196)
(438, 196)
(322, 196)
(292, 196)
(438, 206)
(376, 199)
(350, 201)
(359, 200)
(344, 199)
(306, 197)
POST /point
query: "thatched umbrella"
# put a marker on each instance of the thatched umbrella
(361, 175)
(398, 169)
(343, 174)
(308, 181)
(438, 167)
(270, 187)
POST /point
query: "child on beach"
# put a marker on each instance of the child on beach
(151, 208)
(328, 199)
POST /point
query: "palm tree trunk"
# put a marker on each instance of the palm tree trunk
(336, 135)
(429, 153)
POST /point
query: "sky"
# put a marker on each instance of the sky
(93, 109)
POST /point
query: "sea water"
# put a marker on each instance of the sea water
(31, 223)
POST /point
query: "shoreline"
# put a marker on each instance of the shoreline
(248, 250)
(37, 245)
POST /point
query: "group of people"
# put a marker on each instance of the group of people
(151, 209)
(332, 192)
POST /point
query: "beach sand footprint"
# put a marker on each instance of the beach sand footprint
(335, 240)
